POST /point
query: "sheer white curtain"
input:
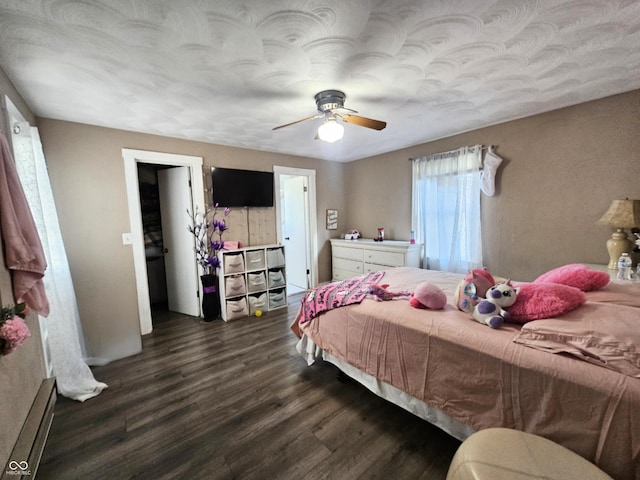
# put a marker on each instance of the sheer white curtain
(446, 209)
(66, 342)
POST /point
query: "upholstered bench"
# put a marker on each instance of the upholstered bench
(504, 454)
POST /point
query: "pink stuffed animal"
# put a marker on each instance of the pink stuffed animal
(428, 295)
(380, 292)
(475, 285)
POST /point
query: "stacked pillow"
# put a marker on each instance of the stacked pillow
(576, 275)
(556, 292)
(603, 332)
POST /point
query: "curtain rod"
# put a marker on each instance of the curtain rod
(411, 159)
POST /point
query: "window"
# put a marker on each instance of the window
(446, 209)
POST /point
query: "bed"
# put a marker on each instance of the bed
(464, 376)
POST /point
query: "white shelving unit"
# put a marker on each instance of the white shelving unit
(252, 279)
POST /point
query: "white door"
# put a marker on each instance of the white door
(179, 257)
(294, 229)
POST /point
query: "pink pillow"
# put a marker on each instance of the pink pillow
(576, 275)
(544, 300)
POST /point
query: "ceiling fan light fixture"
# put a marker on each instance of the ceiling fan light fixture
(330, 131)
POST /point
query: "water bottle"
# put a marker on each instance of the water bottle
(624, 267)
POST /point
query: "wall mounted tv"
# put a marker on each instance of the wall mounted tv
(241, 188)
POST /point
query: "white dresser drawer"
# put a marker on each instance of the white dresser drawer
(390, 259)
(348, 265)
(339, 275)
(374, 267)
(346, 252)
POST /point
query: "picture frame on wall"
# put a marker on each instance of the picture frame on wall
(332, 219)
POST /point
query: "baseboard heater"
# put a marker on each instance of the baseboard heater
(26, 454)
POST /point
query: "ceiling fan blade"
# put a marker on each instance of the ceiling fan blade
(298, 121)
(364, 122)
(348, 109)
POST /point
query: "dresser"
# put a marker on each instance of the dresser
(350, 258)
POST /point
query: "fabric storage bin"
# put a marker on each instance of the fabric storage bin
(276, 278)
(235, 285)
(255, 259)
(256, 281)
(233, 263)
(277, 299)
(257, 302)
(237, 309)
(275, 257)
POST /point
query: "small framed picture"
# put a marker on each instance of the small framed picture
(332, 219)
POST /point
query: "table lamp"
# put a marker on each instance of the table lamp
(621, 214)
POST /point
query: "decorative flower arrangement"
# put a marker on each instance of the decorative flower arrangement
(208, 237)
(13, 330)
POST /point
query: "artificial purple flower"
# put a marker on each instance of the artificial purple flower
(207, 250)
(220, 225)
(214, 262)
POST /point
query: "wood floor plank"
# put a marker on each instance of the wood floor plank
(234, 400)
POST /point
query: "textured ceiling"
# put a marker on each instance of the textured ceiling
(226, 72)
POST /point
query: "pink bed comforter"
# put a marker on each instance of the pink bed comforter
(481, 377)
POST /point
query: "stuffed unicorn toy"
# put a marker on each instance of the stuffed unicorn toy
(491, 310)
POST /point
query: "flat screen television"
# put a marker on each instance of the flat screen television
(241, 188)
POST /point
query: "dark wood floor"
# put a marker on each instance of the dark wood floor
(235, 401)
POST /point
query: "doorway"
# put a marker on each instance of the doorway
(195, 193)
(296, 225)
(165, 198)
(153, 242)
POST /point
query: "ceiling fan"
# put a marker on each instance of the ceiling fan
(330, 103)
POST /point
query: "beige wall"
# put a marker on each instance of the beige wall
(561, 171)
(21, 372)
(87, 176)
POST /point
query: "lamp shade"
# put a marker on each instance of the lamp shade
(330, 131)
(622, 214)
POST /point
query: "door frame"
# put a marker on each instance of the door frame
(131, 159)
(312, 233)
